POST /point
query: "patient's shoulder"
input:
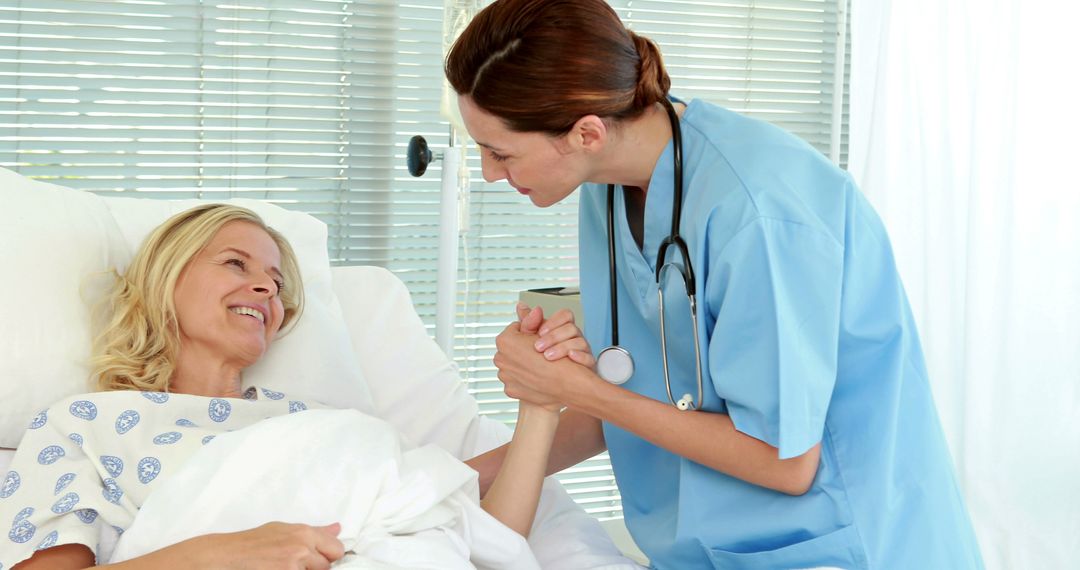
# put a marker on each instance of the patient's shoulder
(85, 405)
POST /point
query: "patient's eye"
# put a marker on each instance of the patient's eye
(497, 157)
(242, 265)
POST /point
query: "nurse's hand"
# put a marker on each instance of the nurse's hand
(559, 335)
(525, 373)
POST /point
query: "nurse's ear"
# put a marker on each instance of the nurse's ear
(589, 134)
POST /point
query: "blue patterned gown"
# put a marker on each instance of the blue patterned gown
(92, 460)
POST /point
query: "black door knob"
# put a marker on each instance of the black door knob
(418, 157)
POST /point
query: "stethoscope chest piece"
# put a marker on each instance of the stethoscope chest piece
(615, 365)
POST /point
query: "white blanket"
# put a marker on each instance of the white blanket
(398, 508)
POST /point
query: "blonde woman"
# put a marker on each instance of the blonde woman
(203, 299)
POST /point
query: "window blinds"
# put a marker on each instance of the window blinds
(305, 103)
(310, 104)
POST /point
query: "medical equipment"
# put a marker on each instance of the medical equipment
(554, 299)
(615, 364)
(453, 222)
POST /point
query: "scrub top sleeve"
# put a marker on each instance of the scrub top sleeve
(774, 291)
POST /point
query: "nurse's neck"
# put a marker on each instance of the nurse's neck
(630, 157)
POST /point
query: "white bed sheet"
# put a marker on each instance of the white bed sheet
(398, 507)
(558, 541)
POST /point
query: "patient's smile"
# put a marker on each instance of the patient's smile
(250, 312)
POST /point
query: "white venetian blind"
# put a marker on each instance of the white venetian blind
(310, 103)
(304, 103)
(771, 59)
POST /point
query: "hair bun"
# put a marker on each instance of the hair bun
(511, 61)
(653, 80)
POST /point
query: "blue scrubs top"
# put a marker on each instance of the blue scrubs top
(806, 337)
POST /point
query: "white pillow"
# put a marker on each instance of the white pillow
(413, 384)
(57, 246)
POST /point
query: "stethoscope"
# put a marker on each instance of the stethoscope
(614, 363)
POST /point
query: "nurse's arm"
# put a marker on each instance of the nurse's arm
(706, 438)
(578, 437)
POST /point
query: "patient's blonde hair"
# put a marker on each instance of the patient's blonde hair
(140, 341)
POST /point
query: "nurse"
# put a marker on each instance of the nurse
(813, 440)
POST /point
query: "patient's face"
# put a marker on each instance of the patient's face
(227, 297)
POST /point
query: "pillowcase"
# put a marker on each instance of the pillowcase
(58, 248)
(55, 245)
(414, 385)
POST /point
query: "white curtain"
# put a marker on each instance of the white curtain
(964, 128)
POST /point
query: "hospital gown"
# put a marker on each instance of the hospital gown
(92, 460)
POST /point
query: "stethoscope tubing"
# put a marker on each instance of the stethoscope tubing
(622, 358)
(611, 265)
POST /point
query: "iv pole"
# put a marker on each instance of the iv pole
(454, 194)
(453, 222)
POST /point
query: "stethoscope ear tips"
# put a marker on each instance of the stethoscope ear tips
(685, 403)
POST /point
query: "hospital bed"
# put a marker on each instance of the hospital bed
(360, 343)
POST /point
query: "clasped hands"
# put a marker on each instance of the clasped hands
(537, 357)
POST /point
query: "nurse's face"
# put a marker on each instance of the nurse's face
(544, 168)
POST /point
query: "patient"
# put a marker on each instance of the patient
(202, 300)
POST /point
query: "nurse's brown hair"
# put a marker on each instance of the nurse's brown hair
(540, 65)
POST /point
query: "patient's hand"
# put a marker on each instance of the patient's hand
(272, 545)
(559, 335)
(527, 374)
